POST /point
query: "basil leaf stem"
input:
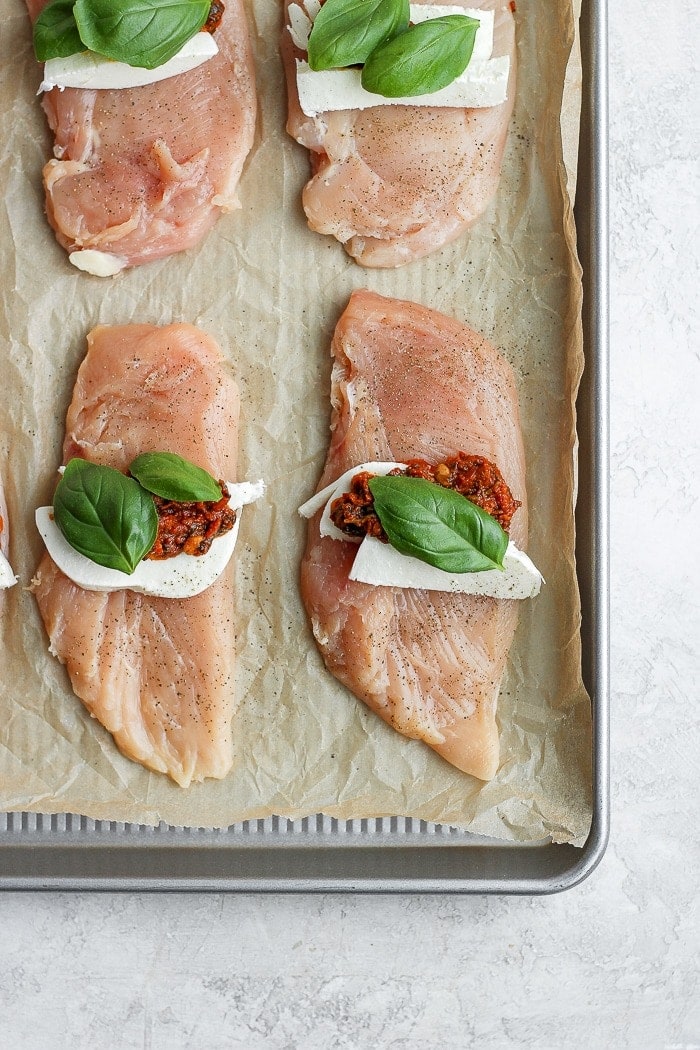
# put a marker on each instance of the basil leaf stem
(55, 31)
(345, 32)
(144, 33)
(104, 515)
(438, 525)
(428, 56)
(174, 478)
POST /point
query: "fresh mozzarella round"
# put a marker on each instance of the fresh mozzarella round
(300, 24)
(88, 70)
(382, 565)
(7, 577)
(99, 264)
(244, 492)
(482, 84)
(180, 577)
(325, 498)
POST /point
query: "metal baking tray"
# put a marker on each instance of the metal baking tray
(391, 854)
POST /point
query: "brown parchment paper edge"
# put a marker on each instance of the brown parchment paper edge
(182, 813)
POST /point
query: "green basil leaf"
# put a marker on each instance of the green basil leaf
(438, 525)
(173, 477)
(427, 57)
(345, 32)
(55, 31)
(144, 33)
(105, 515)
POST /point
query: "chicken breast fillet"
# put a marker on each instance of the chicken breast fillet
(156, 672)
(394, 183)
(409, 382)
(140, 173)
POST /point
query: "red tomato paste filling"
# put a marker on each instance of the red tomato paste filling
(472, 476)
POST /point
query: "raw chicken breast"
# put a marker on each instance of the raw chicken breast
(394, 183)
(143, 172)
(156, 672)
(409, 382)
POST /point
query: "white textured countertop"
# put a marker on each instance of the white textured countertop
(612, 963)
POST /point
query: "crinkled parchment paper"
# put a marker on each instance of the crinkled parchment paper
(270, 292)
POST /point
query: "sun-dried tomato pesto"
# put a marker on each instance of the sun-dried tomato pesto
(190, 528)
(472, 476)
(216, 13)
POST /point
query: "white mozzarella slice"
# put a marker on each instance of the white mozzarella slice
(383, 566)
(482, 84)
(245, 492)
(179, 577)
(99, 264)
(7, 577)
(325, 497)
(299, 26)
(88, 70)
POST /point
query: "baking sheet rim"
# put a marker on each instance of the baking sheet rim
(574, 864)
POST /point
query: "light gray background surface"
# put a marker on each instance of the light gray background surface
(612, 963)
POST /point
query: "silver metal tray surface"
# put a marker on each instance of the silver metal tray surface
(391, 854)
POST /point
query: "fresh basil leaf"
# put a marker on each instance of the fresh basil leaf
(105, 515)
(438, 525)
(345, 32)
(55, 31)
(144, 33)
(427, 57)
(173, 477)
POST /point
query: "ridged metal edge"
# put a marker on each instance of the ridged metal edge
(32, 827)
